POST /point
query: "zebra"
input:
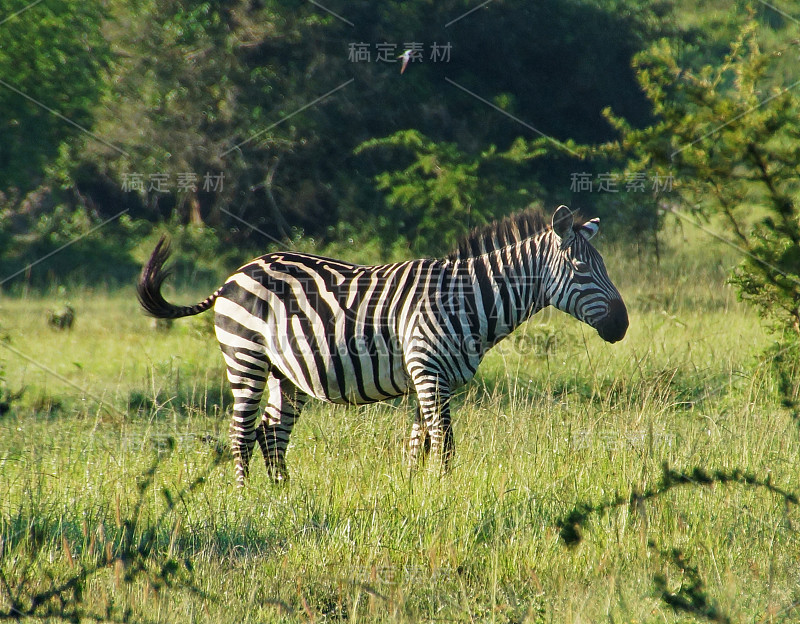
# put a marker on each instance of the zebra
(297, 325)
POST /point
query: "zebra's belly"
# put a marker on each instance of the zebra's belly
(342, 373)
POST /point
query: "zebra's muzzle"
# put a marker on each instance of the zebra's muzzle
(612, 326)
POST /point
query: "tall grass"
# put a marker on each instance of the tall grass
(556, 418)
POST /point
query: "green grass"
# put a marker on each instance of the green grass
(556, 417)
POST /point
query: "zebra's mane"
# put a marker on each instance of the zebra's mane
(498, 234)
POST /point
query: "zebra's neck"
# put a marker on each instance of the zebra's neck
(503, 288)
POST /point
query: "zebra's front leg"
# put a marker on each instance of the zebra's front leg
(419, 444)
(283, 409)
(434, 404)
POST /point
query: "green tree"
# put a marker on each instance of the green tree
(442, 193)
(731, 138)
(191, 81)
(52, 62)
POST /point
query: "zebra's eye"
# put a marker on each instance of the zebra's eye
(581, 267)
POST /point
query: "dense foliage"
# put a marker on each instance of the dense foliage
(52, 62)
(731, 138)
(293, 121)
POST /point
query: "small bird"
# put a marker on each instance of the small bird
(406, 56)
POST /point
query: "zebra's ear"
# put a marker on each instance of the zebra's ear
(590, 228)
(562, 225)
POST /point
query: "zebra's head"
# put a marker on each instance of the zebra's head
(579, 283)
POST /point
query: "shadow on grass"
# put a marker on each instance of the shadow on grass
(691, 597)
(34, 585)
(185, 401)
(677, 387)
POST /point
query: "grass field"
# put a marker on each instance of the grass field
(99, 460)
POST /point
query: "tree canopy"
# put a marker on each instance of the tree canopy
(294, 119)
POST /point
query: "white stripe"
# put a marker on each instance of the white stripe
(360, 331)
(232, 340)
(247, 319)
(277, 332)
(353, 288)
(397, 320)
(339, 277)
(314, 385)
(232, 363)
(339, 335)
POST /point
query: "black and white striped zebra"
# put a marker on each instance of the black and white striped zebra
(299, 325)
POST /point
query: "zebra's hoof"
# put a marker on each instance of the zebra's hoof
(277, 475)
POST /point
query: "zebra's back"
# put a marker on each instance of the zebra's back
(330, 327)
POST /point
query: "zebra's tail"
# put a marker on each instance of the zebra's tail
(152, 278)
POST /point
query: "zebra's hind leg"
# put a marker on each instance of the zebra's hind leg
(248, 378)
(419, 444)
(284, 404)
(434, 403)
